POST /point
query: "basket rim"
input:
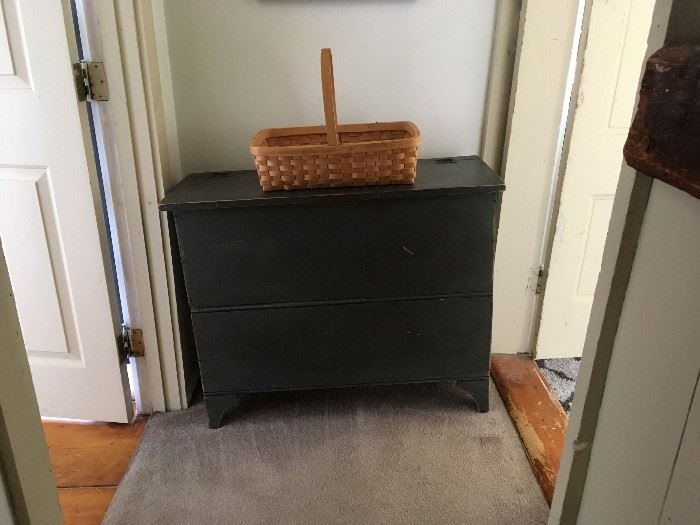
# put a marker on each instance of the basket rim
(257, 148)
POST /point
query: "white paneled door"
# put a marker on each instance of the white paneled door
(613, 61)
(51, 223)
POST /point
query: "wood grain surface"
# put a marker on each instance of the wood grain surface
(88, 460)
(537, 415)
(664, 140)
(85, 505)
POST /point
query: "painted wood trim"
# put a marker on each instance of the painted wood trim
(155, 35)
(538, 416)
(620, 247)
(684, 484)
(532, 142)
(101, 41)
(141, 68)
(500, 83)
(560, 169)
(656, 338)
(23, 453)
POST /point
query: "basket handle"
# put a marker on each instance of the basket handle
(329, 96)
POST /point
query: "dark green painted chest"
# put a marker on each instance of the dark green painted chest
(338, 287)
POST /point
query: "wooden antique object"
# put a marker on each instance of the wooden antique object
(664, 140)
(338, 287)
(332, 156)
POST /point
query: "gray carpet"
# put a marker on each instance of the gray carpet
(412, 454)
(561, 375)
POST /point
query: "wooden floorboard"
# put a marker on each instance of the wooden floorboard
(537, 415)
(88, 460)
(86, 505)
(91, 454)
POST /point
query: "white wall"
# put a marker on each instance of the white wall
(653, 371)
(242, 65)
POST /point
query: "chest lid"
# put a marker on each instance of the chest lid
(448, 176)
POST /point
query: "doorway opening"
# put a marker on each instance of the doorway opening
(560, 373)
(539, 386)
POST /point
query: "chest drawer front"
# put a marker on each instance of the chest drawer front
(343, 344)
(343, 250)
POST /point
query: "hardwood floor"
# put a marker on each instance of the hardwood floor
(88, 460)
(537, 415)
(85, 505)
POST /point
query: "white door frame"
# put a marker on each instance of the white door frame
(498, 92)
(536, 147)
(540, 97)
(578, 226)
(134, 165)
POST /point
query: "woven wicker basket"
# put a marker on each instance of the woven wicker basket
(332, 155)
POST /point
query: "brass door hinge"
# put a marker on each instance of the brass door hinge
(90, 81)
(130, 344)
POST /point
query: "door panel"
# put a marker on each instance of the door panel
(25, 210)
(14, 73)
(592, 253)
(6, 66)
(613, 60)
(51, 223)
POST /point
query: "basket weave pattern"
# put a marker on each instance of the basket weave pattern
(348, 137)
(333, 156)
(359, 168)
